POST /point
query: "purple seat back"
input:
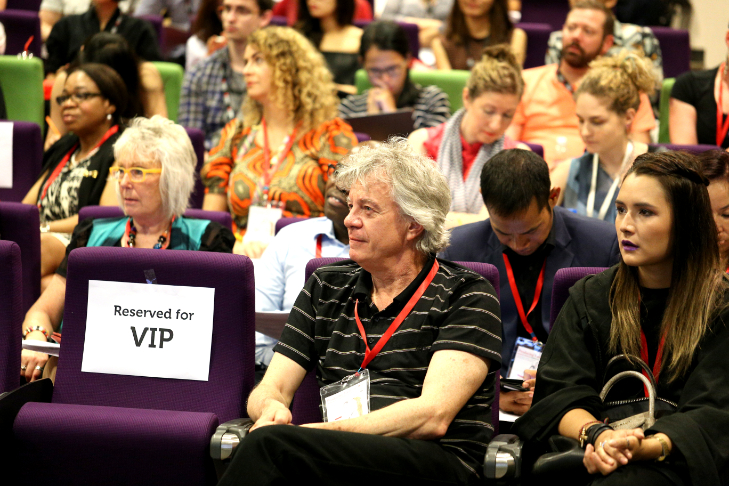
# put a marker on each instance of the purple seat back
(197, 137)
(232, 349)
(536, 148)
(11, 317)
(20, 25)
(278, 20)
(31, 5)
(537, 39)
(285, 222)
(694, 149)
(564, 279)
(97, 212)
(550, 12)
(156, 21)
(20, 223)
(675, 49)
(362, 137)
(27, 160)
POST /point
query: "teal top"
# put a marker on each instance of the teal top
(186, 233)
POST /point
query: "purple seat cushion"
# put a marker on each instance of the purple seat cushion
(232, 349)
(21, 223)
(11, 317)
(109, 445)
(27, 160)
(564, 279)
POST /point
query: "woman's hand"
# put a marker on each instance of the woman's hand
(251, 249)
(612, 449)
(30, 361)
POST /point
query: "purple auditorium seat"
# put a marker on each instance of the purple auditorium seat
(675, 49)
(20, 25)
(551, 12)
(197, 137)
(564, 279)
(97, 212)
(31, 5)
(27, 160)
(537, 39)
(694, 149)
(20, 223)
(282, 222)
(112, 429)
(279, 20)
(362, 137)
(156, 21)
(11, 317)
(536, 148)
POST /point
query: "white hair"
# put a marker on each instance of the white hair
(162, 140)
(416, 185)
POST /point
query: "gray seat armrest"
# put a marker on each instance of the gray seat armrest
(227, 437)
(503, 461)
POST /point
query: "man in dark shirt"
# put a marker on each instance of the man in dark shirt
(69, 34)
(528, 239)
(428, 389)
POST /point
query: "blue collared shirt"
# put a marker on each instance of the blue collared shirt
(280, 271)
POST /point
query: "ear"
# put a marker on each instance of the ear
(265, 18)
(629, 118)
(415, 229)
(553, 196)
(607, 43)
(466, 98)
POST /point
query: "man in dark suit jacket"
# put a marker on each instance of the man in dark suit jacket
(527, 233)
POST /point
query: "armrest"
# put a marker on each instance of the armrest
(567, 457)
(225, 440)
(503, 459)
(11, 402)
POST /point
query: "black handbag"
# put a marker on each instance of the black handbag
(566, 453)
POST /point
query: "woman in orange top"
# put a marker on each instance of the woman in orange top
(281, 153)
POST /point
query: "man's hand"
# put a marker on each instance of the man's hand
(274, 413)
(515, 402)
(380, 100)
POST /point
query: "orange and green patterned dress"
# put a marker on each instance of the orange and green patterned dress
(299, 181)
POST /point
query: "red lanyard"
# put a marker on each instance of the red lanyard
(371, 353)
(57, 171)
(644, 356)
(721, 128)
(318, 246)
(267, 172)
(517, 298)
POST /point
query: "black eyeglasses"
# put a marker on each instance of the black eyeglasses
(76, 97)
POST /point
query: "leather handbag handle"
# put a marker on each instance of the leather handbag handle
(626, 374)
(632, 360)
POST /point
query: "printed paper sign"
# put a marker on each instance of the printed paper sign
(6, 155)
(161, 331)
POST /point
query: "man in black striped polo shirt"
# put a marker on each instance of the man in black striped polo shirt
(430, 386)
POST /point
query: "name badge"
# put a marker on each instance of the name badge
(347, 398)
(262, 223)
(526, 356)
(160, 331)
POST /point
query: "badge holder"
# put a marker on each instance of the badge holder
(347, 398)
(526, 356)
(262, 221)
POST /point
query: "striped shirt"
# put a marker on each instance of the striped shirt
(458, 311)
(431, 107)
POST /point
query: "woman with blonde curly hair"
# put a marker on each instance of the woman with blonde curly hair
(606, 103)
(276, 161)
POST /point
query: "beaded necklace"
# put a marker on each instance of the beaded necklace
(131, 235)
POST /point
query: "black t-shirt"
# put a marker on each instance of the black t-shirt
(697, 89)
(216, 238)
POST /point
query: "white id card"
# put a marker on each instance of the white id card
(262, 223)
(347, 398)
(525, 357)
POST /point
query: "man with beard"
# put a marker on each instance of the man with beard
(280, 271)
(546, 114)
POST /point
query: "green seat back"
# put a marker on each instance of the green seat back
(22, 84)
(451, 82)
(663, 136)
(172, 80)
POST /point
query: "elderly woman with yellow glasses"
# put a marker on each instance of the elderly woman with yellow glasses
(154, 176)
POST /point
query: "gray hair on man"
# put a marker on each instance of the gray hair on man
(161, 140)
(417, 187)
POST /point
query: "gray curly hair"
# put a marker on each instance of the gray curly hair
(417, 187)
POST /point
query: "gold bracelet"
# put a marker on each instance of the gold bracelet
(583, 432)
(664, 447)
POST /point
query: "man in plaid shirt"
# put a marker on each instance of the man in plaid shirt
(213, 90)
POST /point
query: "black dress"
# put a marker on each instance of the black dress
(571, 376)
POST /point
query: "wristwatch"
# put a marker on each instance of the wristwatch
(45, 227)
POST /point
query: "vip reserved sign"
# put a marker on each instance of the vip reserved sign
(160, 331)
